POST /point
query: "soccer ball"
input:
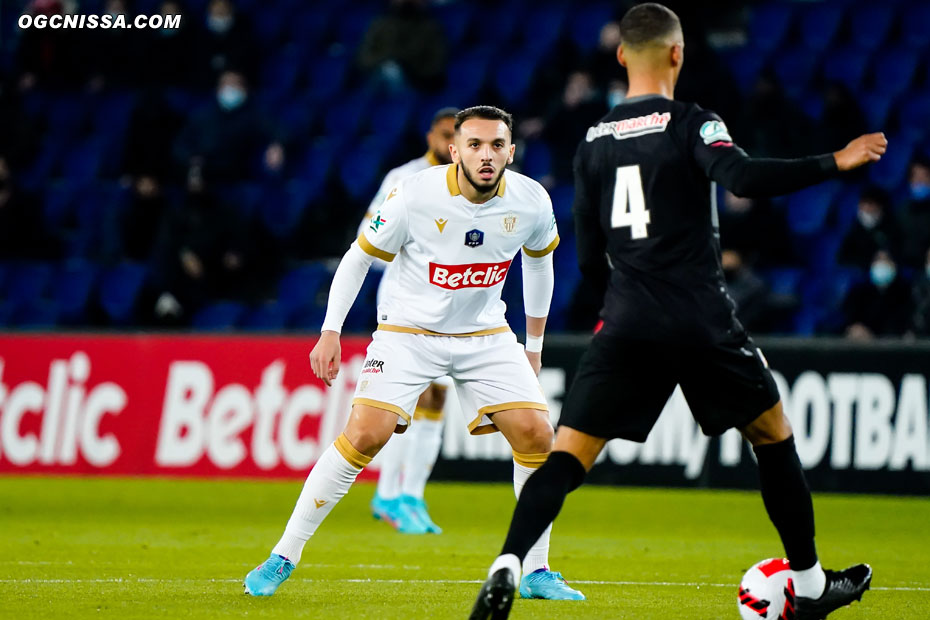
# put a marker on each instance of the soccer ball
(767, 591)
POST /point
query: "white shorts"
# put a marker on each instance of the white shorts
(490, 374)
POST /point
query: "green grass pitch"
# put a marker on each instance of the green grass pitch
(144, 548)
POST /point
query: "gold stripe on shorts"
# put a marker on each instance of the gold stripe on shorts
(427, 413)
(403, 329)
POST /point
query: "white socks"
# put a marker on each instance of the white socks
(509, 561)
(328, 482)
(391, 459)
(538, 556)
(810, 582)
(420, 455)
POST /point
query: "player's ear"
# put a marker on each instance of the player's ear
(677, 54)
(621, 58)
(513, 149)
(454, 152)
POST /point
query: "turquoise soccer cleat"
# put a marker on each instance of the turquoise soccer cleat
(543, 583)
(265, 578)
(418, 508)
(384, 509)
(397, 514)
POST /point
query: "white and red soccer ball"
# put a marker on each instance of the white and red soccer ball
(767, 591)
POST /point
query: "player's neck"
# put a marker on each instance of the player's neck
(641, 85)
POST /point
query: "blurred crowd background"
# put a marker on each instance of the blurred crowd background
(211, 176)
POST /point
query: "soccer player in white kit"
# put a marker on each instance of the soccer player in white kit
(454, 231)
(407, 461)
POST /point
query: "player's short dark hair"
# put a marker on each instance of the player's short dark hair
(648, 23)
(443, 113)
(486, 112)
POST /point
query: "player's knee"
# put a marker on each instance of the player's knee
(537, 437)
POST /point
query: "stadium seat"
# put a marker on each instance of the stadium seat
(769, 24)
(784, 281)
(27, 282)
(513, 77)
(269, 26)
(58, 204)
(824, 294)
(327, 75)
(537, 159)
(915, 24)
(301, 286)
(363, 315)
(66, 115)
(37, 314)
(284, 207)
(745, 64)
(870, 24)
(562, 198)
(34, 176)
(118, 291)
(812, 104)
(71, 287)
(470, 72)
(891, 170)
(360, 170)
(280, 73)
(309, 28)
(586, 24)
(914, 116)
(354, 24)
(846, 207)
(220, 316)
(393, 117)
(794, 70)
(455, 18)
(846, 65)
(893, 70)
(543, 27)
(876, 106)
(820, 24)
(344, 117)
(81, 164)
(265, 317)
(314, 164)
(809, 208)
(308, 318)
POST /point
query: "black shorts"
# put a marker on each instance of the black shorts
(622, 385)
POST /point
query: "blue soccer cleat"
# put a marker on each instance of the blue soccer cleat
(418, 507)
(543, 583)
(397, 514)
(265, 578)
(384, 509)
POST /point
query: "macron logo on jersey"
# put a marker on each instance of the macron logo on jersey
(630, 127)
(476, 275)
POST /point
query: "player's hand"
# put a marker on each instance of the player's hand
(535, 361)
(325, 357)
(862, 150)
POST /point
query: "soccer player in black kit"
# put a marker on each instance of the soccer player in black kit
(645, 220)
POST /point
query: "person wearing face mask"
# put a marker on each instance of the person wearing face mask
(920, 321)
(875, 227)
(881, 306)
(227, 43)
(219, 143)
(917, 213)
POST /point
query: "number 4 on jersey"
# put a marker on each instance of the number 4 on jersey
(629, 206)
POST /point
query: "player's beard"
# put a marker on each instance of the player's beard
(483, 187)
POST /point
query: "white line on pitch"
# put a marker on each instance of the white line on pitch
(674, 584)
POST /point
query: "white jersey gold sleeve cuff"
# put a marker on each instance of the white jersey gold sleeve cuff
(347, 281)
(538, 283)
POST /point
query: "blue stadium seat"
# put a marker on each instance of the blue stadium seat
(455, 18)
(280, 73)
(118, 291)
(823, 295)
(308, 318)
(344, 117)
(220, 316)
(82, 162)
(37, 314)
(363, 315)
(246, 197)
(809, 208)
(301, 287)
(794, 69)
(111, 113)
(562, 198)
(846, 65)
(393, 117)
(846, 207)
(513, 77)
(769, 24)
(914, 116)
(587, 22)
(269, 26)
(72, 284)
(819, 24)
(893, 70)
(543, 27)
(891, 170)
(915, 24)
(66, 115)
(265, 317)
(27, 282)
(59, 202)
(870, 24)
(360, 172)
(784, 281)
(470, 70)
(537, 159)
(876, 106)
(284, 207)
(327, 76)
(812, 105)
(310, 26)
(314, 164)
(50, 153)
(745, 64)
(354, 24)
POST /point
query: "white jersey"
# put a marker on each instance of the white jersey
(452, 256)
(391, 179)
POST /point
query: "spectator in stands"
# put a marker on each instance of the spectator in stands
(404, 47)
(771, 125)
(227, 44)
(916, 213)
(169, 51)
(747, 289)
(112, 55)
(47, 57)
(842, 118)
(881, 306)
(920, 323)
(756, 230)
(221, 143)
(142, 220)
(153, 129)
(875, 228)
(603, 65)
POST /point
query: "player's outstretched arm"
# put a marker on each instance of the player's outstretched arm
(348, 279)
(861, 151)
(538, 284)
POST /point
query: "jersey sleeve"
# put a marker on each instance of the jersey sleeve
(385, 232)
(709, 142)
(544, 237)
(389, 182)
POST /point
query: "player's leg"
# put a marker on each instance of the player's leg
(423, 444)
(384, 505)
(367, 430)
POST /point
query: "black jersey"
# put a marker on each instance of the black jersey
(645, 198)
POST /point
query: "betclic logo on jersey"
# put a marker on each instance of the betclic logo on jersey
(475, 275)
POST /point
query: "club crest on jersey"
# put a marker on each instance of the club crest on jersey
(377, 221)
(715, 131)
(509, 223)
(474, 238)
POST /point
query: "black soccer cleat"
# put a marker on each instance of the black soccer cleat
(496, 597)
(843, 587)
